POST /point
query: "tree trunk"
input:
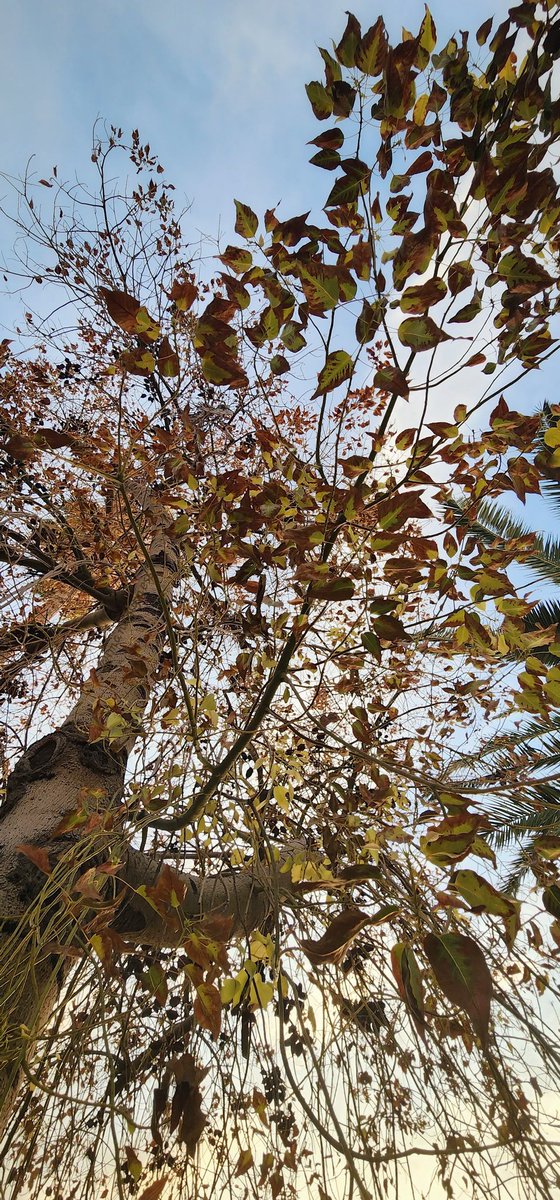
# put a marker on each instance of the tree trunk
(52, 780)
(55, 777)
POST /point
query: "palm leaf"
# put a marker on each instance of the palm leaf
(542, 616)
(495, 523)
(550, 487)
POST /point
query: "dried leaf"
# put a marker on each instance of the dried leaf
(208, 1008)
(154, 1190)
(332, 946)
(37, 855)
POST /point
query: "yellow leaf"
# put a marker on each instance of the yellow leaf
(420, 109)
(281, 796)
(260, 993)
(97, 943)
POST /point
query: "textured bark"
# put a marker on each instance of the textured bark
(48, 783)
(247, 895)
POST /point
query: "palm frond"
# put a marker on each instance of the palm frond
(512, 820)
(518, 869)
(550, 487)
(494, 523)
(534, 737)
(542, 616)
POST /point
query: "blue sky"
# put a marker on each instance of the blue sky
(216, 88)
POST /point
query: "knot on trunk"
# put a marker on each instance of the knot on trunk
(38, 762)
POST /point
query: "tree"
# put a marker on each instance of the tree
(237, 944)
(532, 751)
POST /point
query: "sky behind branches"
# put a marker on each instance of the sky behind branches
(217, 89)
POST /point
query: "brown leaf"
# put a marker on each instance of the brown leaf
(37, 855)
(208, 1008)
(168, 360)
(154, 1190)
(186, 1111)
(462, 973)
(390, 379)
(130, 315)
(183, 293)
(158, 1109)
(122, 309)
(20, 447)
(332, 946)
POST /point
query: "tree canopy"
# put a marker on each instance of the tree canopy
(254, 935)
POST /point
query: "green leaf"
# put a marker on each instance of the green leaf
(156, 981)
(327, 159)
(371, 54)
(459, 276)
(319, 99)
(551, 900)
(279, 365)
(346, 49)
(223, 370)
(292, 337)
(371, 642)
(343, 97)
(409, 982)
(331, 139)
(385, 913)
(418, 299)
(350, 185)
(337, 369)
(452, 839)
(369, 321)
(524, 276)
(236, 259)
(483, 31)
(332, 69)
(547, 846)
(421, 333)
(427, 35)
(483, 897)
(390, 629)
(462, 973)
(133, 1163)
(333, 589)
(246, 221)
(321, 288)
(469, 311)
